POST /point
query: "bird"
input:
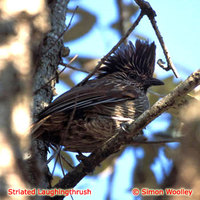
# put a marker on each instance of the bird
(85, 117)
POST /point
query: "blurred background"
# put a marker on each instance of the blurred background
(96, 27)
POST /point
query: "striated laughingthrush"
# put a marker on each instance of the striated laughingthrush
(86, 116)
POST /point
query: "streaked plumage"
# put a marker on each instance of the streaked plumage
(83, 118)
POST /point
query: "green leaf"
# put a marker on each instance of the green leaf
(83, 26)
(129, 10)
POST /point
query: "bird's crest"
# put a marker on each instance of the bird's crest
(138, 59)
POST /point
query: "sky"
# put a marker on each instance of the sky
(179, 24)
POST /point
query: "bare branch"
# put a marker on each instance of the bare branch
(113, 49)
(141, 139)
(148, 10)
(74, 68)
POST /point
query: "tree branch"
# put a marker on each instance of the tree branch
(126, 137)
(48, 59)
(72, 67)
(113, 49)
(151, 14)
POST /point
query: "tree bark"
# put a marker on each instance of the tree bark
(48, 59)
(22, 26)
(15, 91)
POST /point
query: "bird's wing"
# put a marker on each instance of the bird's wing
(89, 95)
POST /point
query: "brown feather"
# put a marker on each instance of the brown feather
(86, 116)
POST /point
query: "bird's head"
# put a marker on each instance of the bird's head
(136, 63)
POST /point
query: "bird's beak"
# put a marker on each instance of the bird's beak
(153, 81)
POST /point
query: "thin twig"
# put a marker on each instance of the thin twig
(113, 49)
(45, 85)
(141, 139)
(58, 151)
(148, 10)
(54, 167)
(161, 141)
(113, 145)
(67, 65)
(63, 31)
(74, 68)
(52, 156)
(166, 53)
(70, 120)
(63, 158)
